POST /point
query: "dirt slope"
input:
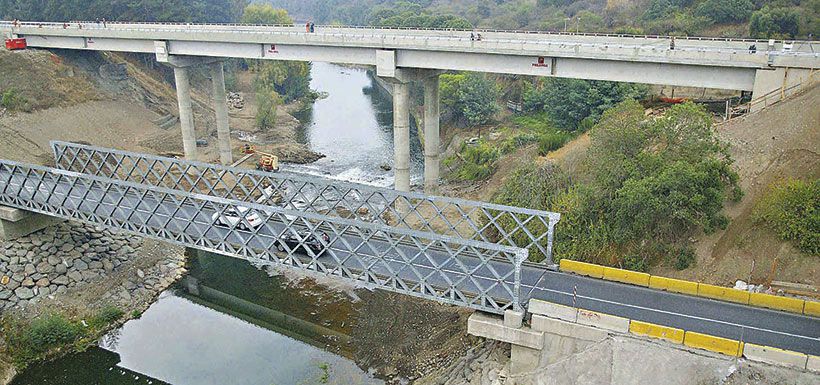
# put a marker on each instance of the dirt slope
(780, 142)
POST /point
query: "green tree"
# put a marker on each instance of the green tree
(477, 98)
(792, 209)
(265, 14)
(775, 23)
(725, 11)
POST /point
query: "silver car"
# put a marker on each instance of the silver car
(233, 216)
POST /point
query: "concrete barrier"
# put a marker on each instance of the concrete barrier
(581, 268)
(812, 308)
(626, 276)
(813, 364)
(673, 285)
(567, 329)
(483, 325)
(715, 344)
(656, 331)
(552, 310)
(723, 293)
(777, 302)
(775, 356)
(603, 321)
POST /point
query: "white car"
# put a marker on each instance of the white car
(232, 216)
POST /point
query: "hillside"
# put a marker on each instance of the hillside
(780, 142)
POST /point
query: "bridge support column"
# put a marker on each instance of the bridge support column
(401, 136)
(223, 131)
(186, 115)
(432, 140)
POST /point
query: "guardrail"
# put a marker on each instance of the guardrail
(788, 304)
(507, 225)
(479, 275)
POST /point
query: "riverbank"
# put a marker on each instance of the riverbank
(75, 270)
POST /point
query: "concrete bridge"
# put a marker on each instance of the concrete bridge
(405, 55)
(176, 200)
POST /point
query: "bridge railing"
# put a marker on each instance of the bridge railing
(473, 220)
(478, 275)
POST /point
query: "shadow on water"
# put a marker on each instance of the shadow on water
(225, 323)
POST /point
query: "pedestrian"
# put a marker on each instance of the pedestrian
(307, 26)
(98, 21)
(103, 21)
(672, 43)
(478, 37)
(472, 36)
(65, 25)
(312, 27)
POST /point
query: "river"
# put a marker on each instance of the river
(228, 322)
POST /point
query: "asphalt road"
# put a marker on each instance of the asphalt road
(350, 255)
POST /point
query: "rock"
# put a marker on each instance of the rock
(95, 265)
(43, 282)
(89, 275)
(140, 273)
(53, 261)
(24, 293)
(60, 280)
(13, 285)
(75, 276)
(80, 265)
(107, 265)
(5, 294)
(60, 268)
(44, 267)
(29, 269)
(28, 282)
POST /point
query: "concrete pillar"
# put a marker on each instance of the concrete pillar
(186, 115)
(401, 136)
(432, 138)
(223, 131)
(16, 223)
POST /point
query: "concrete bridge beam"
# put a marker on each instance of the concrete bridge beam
(223, 131)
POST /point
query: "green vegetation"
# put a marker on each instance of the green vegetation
(470, 97)
(791, 208)
(577, 104)
(646, 186)
(213, 11)
(12, 100)
(776, 23)
(266, 102)
(477, 161)
(52, 334)
(411, 14)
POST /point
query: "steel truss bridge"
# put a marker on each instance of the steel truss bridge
(455, 251)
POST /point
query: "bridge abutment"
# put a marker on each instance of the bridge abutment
(16, 223)
(776, 84)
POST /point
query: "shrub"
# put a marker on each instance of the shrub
(684, 258)
(725, 11)
(12, 100)
(478, 161)
(50, 331)
(775, 23)
(792, 209)
(551, 142)
(106, 316)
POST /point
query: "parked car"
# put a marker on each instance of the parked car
(310, 241)
(233, 216)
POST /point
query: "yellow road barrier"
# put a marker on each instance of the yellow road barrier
(673, 285)
(582, 268)
(812, 308)
(723, 293)
(777, 302)
(656, 331)
(715, 344)
(626, 276)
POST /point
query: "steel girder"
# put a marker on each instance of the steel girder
(473, 220)
(469, 273)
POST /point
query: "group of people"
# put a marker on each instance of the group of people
(475, 36)
(310, 27)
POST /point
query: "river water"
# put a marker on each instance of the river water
(228, 322)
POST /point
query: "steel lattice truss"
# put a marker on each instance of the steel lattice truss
(474, 274)
(473, 220)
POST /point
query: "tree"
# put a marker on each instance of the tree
(265, 14)
(774, 23)
(725, 11)
(470, 96)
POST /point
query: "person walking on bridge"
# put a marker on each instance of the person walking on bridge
(307, 26)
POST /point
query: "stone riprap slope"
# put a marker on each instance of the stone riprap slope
(58, 258)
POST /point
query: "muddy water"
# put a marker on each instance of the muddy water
(225, 323)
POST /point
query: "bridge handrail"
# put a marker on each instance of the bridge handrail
(491, 30)
(67, 156)
(81, 185)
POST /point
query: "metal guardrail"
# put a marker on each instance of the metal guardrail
(473, 274)
(480, 221)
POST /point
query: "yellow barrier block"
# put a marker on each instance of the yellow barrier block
(626, 276)
(723, 293)
(656, 331)
(582, 268)
(812, 308)
(714, 344)
(673, 285)
(776, 302)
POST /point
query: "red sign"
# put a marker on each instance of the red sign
(541, 62)
(12, 44)
(273, 49)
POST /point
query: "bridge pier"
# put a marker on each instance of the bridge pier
(186, 115)
(401, 135)
(432, 138)
(223, 131)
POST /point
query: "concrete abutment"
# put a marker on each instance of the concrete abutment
(16, 223)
